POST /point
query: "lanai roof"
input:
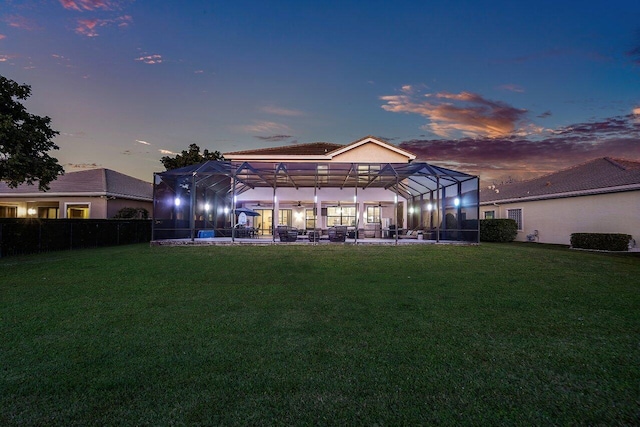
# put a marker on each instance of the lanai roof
(92, 182)
(411, 179)
(602, 175)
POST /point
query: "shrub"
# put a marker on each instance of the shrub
(132, 213)
(498, 230)
(601, 241)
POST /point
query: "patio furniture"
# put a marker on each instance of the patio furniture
(287, 234)
(314, 235)
(337, 233)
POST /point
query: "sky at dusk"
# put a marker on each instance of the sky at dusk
(501, 89)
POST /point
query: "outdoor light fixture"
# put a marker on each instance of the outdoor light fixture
(456, 202)
(176, 201)
(355, 199)
(411, 210)
(395, 199)
(31, 211)
(207, 207)
(226, 210)
(429, 207)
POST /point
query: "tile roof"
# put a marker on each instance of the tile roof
(93, 181)
(602, 175)
(311, 149)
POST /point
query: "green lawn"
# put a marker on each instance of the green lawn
(513, 334)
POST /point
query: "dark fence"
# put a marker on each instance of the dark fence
(25, 236)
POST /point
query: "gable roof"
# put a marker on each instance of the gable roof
(92, 182)
(315, 151)
(598, 176)
(311, 149)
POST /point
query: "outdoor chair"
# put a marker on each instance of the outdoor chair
(287, 234)
(337, 233)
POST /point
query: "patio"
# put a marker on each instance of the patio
(248, 201)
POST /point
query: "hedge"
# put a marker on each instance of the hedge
(20, 236)
(601, 241)
(498, 230)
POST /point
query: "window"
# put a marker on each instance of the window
(284, 217)
(516, 215)
(310, 219)
(77, 211)
(47, 212)
(8, 211)
(489, 214)
(337, 215)
(373, 214)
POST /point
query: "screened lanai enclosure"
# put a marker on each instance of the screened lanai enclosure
(369, 200)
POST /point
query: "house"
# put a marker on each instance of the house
(94, 193)
(599, 196)
(369, 186)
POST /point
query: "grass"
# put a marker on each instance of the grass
(511, 334)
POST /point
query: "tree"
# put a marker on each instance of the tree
(25, 140)
(191, 157)
(132, 213)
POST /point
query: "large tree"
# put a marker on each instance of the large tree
(25, 140)
(191, 157)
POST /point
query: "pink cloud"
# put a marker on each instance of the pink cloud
(80, 5)
(2, 36)
(464, 113)
(502, 159)
(88, 27)
(18, 21)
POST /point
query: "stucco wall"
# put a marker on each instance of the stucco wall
(556, 219)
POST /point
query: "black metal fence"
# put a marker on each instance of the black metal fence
(24, 236)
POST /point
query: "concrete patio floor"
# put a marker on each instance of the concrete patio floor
(268, 240)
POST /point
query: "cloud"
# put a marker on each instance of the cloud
(167, 152)
(636, 111)
(634, 54)
(2, 36)
(512, 88)
(265, 127)
(139, 141)
(5, 58)
(496, 159)
(545, 115)
(82, 165)
(18, 21)
(274, 138)
(151, 59)
(465, 113)
(272, 109)
(82, 5)
(88, 27)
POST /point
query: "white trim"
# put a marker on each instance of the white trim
(375, 141)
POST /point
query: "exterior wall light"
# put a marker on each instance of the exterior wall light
(429, 207)
(456, 202)
(207, 207)
(176, 201)
(31, 211)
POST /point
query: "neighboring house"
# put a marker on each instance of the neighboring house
(95, 193)
(368, 185)
(600, 196)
